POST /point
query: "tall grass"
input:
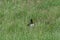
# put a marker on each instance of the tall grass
(15, 15)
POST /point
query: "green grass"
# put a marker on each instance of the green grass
(15, 15)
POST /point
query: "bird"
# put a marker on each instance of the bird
(31, 23)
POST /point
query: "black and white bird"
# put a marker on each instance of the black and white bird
(31, 24)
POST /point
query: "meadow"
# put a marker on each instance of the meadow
(15, 15)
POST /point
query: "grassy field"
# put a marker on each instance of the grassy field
(15, 15)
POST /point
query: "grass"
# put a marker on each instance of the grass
(15, 15)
